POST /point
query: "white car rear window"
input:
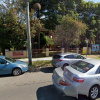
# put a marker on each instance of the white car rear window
(82, 66)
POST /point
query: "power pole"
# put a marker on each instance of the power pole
(28, 33)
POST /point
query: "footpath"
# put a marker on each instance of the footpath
(36, 59)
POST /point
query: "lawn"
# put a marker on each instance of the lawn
(93, 56)
(39, 64)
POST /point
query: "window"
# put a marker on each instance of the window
(10, 59)
(2, 61)
(98, 70)
(69, 56)
(79, 57)
(82, 66)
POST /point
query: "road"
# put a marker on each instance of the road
(31, 86)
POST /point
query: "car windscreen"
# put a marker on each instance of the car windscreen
(10, 59)
(82, 66)
(57, 57)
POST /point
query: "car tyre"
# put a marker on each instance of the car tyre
(94, 92)
(66, 64)
(17, 71)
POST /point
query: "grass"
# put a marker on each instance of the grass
(38, 64)
(41, 63)
(93, 56)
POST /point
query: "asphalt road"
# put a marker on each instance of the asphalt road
(32, 86)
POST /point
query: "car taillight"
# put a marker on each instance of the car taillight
(61, 82)
(80, 80)
(60, 60)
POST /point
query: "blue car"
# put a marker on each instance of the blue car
(11, 66)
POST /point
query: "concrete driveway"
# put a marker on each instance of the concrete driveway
(32, 86)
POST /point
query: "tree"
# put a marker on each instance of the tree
(68, 32)
(78, 9)
(42, 41)
(12, 28)
(49, 42)
(88, 12)
(48, 11)
(13, 25)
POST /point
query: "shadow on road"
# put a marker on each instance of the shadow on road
(4, 76)
(51, 93)
(9, 75)
(47, 69)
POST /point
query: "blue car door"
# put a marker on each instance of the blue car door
(4, 67)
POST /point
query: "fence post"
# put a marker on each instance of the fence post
(62, 50)
(89, 51)
(6, 52)
(77, 50)
(47, 52)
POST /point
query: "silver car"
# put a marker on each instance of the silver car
(62, 60)
(82, 77)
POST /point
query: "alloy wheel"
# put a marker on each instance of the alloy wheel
(94, 92)
(17, 71)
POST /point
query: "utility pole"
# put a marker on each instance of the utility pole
(28, 34)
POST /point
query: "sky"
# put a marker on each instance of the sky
(95, 1)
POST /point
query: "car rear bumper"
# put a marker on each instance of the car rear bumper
(69, 90)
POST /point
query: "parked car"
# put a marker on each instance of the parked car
(11, 66)
(82, 77)
(62, 60)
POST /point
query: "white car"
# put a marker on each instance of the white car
(82, 77)
(62, 60)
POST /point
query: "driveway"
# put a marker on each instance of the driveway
(32, 86)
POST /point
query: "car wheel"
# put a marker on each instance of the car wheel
(66, 64)
(16, 71)
(94, 91)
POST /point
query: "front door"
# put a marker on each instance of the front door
(4, 68)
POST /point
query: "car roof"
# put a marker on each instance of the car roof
(64, 54)
(92, 61)
(2, 56)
